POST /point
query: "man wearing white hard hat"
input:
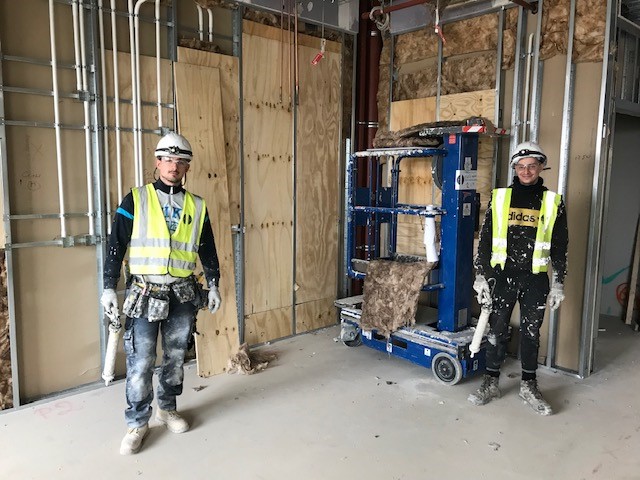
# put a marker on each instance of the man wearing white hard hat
(524, 231)
(165, 228)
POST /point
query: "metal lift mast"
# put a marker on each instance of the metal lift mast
(443, 346)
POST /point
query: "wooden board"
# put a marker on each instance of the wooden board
(317, 176)
(268, 129)
(416, 183)
(200, 120)
(316, 314)
(266, 326)
(229, 89)
(634, 291)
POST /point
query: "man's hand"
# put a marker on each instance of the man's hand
(109, 301)
(556, 295)
(482, 288)
(214, 299)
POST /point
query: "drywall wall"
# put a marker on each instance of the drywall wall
(621, 217)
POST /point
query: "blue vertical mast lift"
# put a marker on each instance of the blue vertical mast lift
(442, 344)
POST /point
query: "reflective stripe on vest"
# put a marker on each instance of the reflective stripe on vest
(153, 250)
(501, 203)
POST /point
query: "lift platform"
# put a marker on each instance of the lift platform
(440, 338)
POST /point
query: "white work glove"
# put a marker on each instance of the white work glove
(214, 299)
(109, 301)
(556, 295)
(482, 288)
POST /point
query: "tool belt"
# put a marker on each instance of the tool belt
(151, 300)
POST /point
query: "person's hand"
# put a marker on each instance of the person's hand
(482, 288)
(556, 295)
(109, 301)
(214, 299)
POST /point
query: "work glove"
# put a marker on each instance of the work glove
(214, 299)
(556, 295)
(482, 288)
(109, 301)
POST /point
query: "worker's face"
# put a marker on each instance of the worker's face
(528, 170)
(172, 169)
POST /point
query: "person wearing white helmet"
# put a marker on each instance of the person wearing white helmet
(524, 230)
(165, 229)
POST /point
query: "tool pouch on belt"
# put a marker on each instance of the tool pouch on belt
(135, 303)
(184, 291)
(157, 307)
(143, 303)
(201, 299)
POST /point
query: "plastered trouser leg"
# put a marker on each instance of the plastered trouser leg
(176, 332)
(530, 291)
(140, 340)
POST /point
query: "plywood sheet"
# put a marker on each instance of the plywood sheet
(317, 176)
(316, 314)
(269, 325)
(200, 120)
(229, 89)
(268, 128)
(416, 183)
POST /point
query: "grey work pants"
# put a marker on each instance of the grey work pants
(140, 340)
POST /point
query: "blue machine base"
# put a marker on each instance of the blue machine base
(447, 354)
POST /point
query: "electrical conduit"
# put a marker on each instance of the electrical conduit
(56, 114)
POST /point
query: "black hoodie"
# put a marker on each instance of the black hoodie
(526, 201)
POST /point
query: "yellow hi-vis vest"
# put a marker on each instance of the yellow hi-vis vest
(153, 250)
(500, 204)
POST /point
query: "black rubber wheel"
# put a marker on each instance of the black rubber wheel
(447, 370)
(356, 342)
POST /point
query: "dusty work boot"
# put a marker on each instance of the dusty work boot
(174, 422)
(132, 441)
(530, 394)
(487, 391)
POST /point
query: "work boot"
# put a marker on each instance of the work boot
(174, 422)
(132, 441)
(530, 394)
(487, 391)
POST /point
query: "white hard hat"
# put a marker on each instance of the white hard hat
(528, 150)
(174, 145)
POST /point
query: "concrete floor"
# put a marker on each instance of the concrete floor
(325, 411)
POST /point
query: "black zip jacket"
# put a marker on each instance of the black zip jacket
(121, 236)
(526, 201)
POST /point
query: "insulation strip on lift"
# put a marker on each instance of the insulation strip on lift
(390, 294)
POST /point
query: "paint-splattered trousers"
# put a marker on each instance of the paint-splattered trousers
(140, 340)
(530, 291)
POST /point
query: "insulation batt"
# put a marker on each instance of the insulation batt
(390, 294)
(6, 386)
(246, 362)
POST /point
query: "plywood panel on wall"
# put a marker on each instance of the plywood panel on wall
(316, 314)
(200, 119)
(416, 183)
(229, 90)
(317, 177)
(265, 326)
(268, 124)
